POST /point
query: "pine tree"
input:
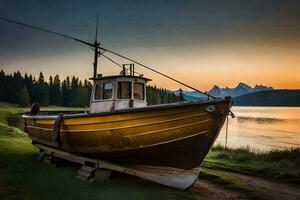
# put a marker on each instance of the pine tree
(51, 91)
(56, 91)
(66, 92)
(75, 96)
(24, 100)
(3, 95)
(42, 91)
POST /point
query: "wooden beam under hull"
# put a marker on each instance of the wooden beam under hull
(168, 176)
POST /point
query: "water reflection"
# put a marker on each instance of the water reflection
(263, 128)
(258, 120)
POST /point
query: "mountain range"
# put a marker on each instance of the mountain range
(240, 89)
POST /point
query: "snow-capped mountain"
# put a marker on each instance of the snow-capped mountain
(239, 90)
(191, 96)
(216, 91)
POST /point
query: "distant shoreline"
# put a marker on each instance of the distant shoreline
(271, 106)
(282, 98)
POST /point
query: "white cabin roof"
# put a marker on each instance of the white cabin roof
(119, 76)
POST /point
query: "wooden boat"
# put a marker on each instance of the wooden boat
(163, 143)
(171, 138)
(177, 135)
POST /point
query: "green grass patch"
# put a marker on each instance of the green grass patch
(8, 109)
(22, 176)
(278, 164)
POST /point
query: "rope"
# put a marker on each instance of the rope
(119, 65)
(160, 73)
(226, 132)
(45, 30)
(96, 45)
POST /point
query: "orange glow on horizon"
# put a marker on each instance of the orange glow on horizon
(199, 66)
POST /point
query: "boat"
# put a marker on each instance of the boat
(165, 143)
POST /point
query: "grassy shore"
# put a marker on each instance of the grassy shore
(24, 177)
(283, 165)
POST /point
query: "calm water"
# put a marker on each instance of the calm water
(263, 128)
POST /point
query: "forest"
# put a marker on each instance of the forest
(70, 92)
(281, 97)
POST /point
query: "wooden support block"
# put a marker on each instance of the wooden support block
(51, 160)
(41, 155)
(86, 173)
(102, 174)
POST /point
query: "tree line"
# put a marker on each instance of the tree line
(25, 90)
(69, 92)
(157, 95)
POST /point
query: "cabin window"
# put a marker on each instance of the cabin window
(107, 90)
(98, 91)
(124, 90)
(139, 92)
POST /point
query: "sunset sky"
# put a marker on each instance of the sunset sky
(202, 43)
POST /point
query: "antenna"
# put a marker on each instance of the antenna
(96, 37)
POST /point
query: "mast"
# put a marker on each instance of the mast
(96, 53)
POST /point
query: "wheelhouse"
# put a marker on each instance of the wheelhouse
(118, 92)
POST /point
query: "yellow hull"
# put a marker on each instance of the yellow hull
(135, 132)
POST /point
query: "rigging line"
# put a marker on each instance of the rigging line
(111, 60)
(226, 131)
(151, 69)
(45, 30)
(96, 45)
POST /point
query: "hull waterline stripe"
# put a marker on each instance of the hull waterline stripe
(121, 120)
(124, 127)
(174, 140)
(140, 118)
(167, 129)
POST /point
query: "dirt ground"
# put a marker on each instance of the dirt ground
(268, 189)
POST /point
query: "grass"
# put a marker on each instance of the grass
(24, 177)
(8, 109)
(283, 165)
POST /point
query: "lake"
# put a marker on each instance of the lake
(263, 128)
(260, 128)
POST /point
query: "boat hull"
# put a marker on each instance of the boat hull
(177, 136)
